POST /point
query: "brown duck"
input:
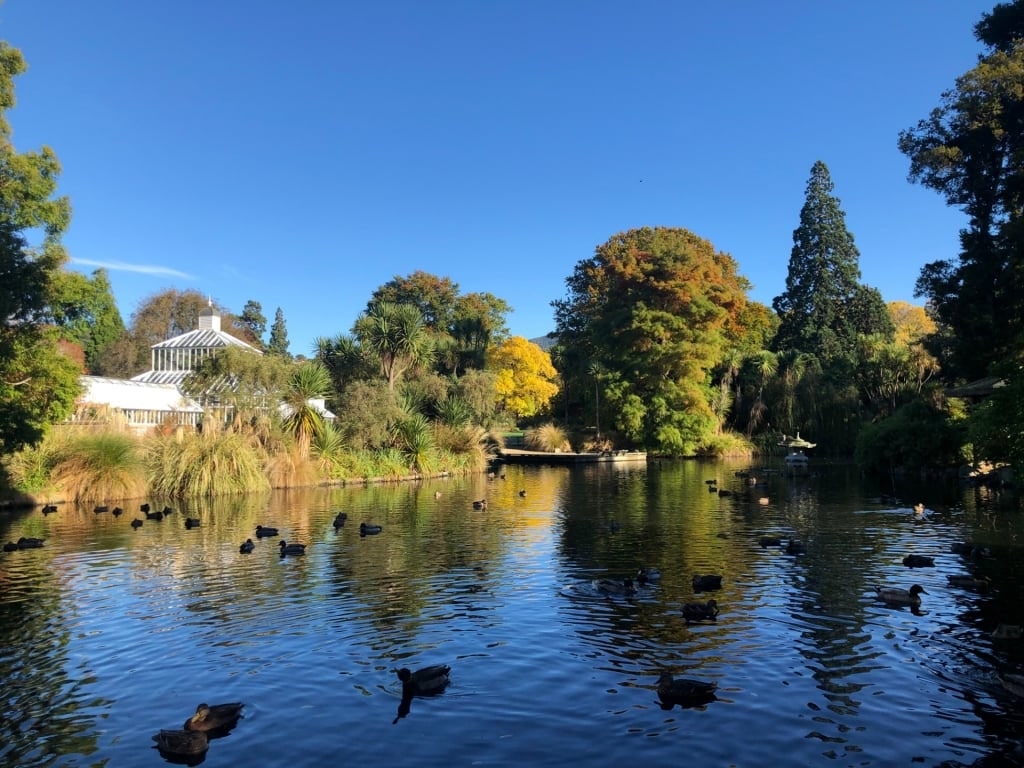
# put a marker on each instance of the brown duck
(214, 717)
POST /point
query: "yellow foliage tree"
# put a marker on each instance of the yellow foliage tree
(912, 325)
(525, 376)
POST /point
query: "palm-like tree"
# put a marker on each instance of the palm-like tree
(397, 336)
(308, 382)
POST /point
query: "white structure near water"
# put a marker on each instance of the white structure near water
(155, 398)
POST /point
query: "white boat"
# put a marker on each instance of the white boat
(796, 445)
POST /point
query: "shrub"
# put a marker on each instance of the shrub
(204, 464)
(547, 437)
(100, 466)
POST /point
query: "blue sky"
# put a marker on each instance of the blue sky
(302, 154)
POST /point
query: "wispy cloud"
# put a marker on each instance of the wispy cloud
(144, 269)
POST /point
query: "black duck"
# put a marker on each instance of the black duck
(706, 582)
(263, 531)
(700, 611)
(896, 596)
(27, 542)
(795, 547)
(182, 742)
(424, 682)
(100, 508)
(192, 522)
(214, 717)
(49, 509)
(136, 523)
(368, 529)
(684, 692)
(918, 561)
(967, 581)
(339, 520)
(291, 549)
(117, 511)
(614, 586)
(246, 547)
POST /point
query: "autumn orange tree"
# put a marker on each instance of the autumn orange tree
(659, 308)
(525, 381)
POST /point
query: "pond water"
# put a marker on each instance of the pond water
(109, 633)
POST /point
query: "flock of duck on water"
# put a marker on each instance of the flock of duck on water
(212, 721)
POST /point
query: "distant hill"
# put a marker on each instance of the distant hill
(545, 342)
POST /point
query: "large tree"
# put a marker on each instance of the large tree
(84, 309)
(38, 385)
(970, 149)
(656, 308)
(253, 320)
(395, 335)
(278, 344)
(526, 378)
(462, 326)
(824, 307)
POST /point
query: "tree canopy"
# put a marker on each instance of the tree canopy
(38, 385)
(278, 344)
(658, 309)
(526, 378)
(970, 149)
(84, 309)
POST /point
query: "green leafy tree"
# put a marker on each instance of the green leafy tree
(254, 322)
(38, 385)
(824, 306)
(278, 344)
(396, 336)
(654, 306)
(307, 384)
(462, 326)
(970, 150)
(85, 311)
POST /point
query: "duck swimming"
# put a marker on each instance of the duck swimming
(967, 581)
(428, 681)
(136, 523)
(895, 596)
(684, 692)
(647, 576)
(339, 520)
(182, 742)
(706, 582)
(192, 522)
(481, 504)
(368, 529)
(700, 611)
(291, 549)
(918, 561)
(246, 547)
(214, 717)
(263, 531)
(27, 542)
(614, 586)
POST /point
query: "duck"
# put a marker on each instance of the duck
(428, 681)
(724, 492)
(480, 504)
(700, 611)
(143, 508)
(263, 531)
(614, 586)
(795, 547)
(967, 581)
(291, 549)
(712, 481)
(11, 546)
(339, 520)
(192, 522)
(1008, 632)
(117, 511)
(896, 596)
(136, 523)
(369, 529)
(27, 542)
(522, 493)
(166, 510)
(918, 561)
(712, 489)
(182, 742)
(211, 717)
(99, 508)
(684, 691)
(158, 515)
(1013, 683)
(919, 509)
(647, 575)
(770, 541)
(706, 582)
(246, 547)
(49, 509)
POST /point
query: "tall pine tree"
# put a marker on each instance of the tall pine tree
(278, 336)
(822, 285)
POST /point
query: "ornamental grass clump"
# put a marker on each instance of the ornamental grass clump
(547, 437)
(205, 464)
(100, 466)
